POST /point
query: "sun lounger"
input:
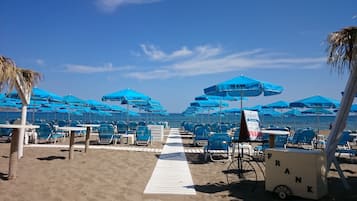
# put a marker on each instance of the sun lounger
(46, 133)
(303, 138)
(5, 134)
(344, 146)
(218, 147)
(122, 127)
(106, 134)
(143, 136)
(200, 135)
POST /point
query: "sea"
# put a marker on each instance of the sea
(175, 120)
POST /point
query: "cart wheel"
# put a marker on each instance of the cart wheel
(282, 191)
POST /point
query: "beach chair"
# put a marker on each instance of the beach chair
(5, 134)
(218, 147)
(280, 141)
(106, 134)
(46, 133)
(122, 127)
(303, 138)
(344, 146)
(132, 127)
(200, 135)
(143, 135)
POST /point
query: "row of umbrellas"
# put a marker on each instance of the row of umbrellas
(241, 87)
(45, 101)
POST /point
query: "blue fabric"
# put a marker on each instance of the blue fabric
(219, 141)
(143, 134)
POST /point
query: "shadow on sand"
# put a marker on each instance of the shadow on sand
(3, 176)
(251, 190)
(51, 158)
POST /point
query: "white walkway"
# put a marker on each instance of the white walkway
(171, 174)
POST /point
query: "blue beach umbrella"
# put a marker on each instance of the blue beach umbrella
(220, 98)
(125, 96)
(73, 100)
(208, 104)
(8, 105)
(277, 105)
(316, 111)
(39, 94)
(128, 97)
(270, 112)
(99, 105)
(316, 102)
(293, 112)
(243, 86)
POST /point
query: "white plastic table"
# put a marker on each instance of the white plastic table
(272, 134)
(71, 131)
(14, 146)
(87, 140)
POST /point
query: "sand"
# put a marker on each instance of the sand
(47, 174)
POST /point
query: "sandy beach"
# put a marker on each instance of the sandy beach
(47, 174)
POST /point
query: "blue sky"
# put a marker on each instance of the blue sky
(172, 49)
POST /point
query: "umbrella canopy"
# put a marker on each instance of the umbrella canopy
(316, 111)
(125, 96)
(73, 100)
(208, 104)
(316, 102)
(277, 105)
(98, 105)
(293, 112)
(269, 112)
(39, 94)
(207, 97)
(243, 86)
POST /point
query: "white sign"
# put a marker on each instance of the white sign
(250, 125)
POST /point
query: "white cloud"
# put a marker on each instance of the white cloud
(85, 69)
(111, 5)
(40, 62)
(204, 60)
(154, 53)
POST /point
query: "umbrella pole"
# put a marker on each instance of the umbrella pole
(220, 111)
(127, 117)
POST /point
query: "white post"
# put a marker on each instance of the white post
(22, 131)
(25, 95)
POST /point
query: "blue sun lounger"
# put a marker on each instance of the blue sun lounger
(106, 134)
(218, 147)
(200, 135)
(344, 147)
(143, 135)
(46, 133)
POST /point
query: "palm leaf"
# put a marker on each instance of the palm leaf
(10, 74)
(342, 50)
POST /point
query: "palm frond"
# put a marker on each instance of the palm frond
(30, 78)
(342, 50)
(10, 73)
